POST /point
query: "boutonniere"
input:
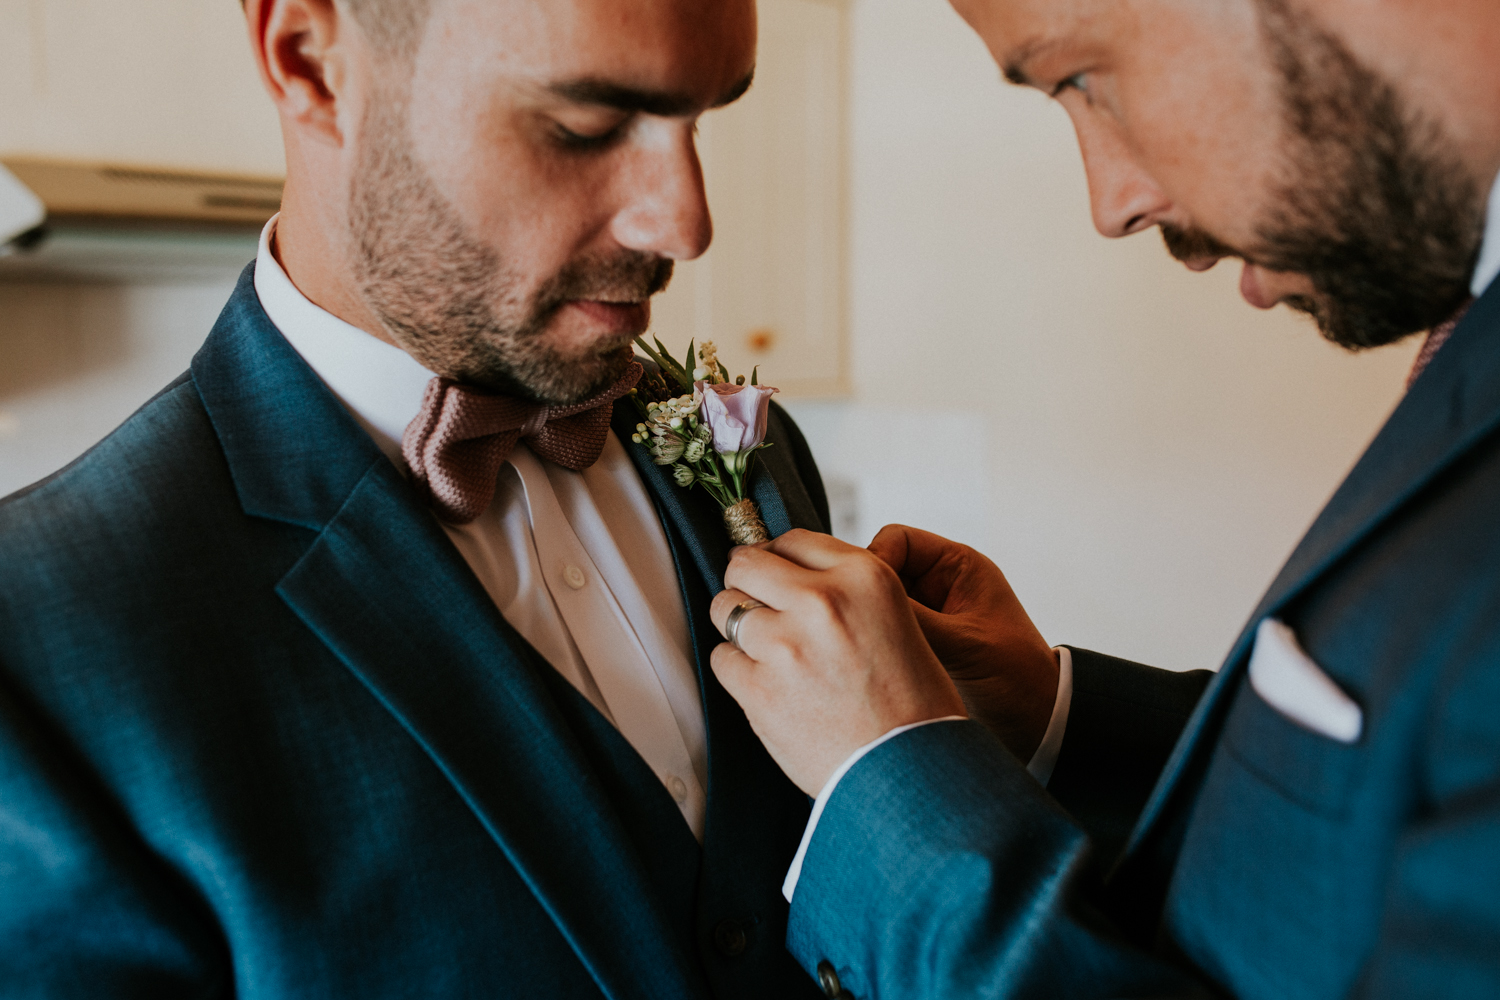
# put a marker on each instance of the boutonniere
(706, 428)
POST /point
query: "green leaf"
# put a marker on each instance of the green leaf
(724, 371)
(692, 362)
(669, 367)
(653, 355)
(755, 375)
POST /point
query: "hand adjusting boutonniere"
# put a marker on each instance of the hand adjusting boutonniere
(709, 433)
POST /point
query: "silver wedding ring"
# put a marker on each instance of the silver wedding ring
(732, 624)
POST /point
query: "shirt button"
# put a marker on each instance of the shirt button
(574, 577)
(677, 787)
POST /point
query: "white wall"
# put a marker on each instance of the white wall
(78, 360)
(1135, 446)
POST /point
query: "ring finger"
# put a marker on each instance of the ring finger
(723, 611)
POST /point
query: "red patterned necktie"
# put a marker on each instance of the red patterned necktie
(1436, 338)
(459, 439)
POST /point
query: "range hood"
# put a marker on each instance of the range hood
(114, 222)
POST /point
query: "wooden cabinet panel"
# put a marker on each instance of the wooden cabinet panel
(770, 291)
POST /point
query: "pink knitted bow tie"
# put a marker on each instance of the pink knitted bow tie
(459, 439)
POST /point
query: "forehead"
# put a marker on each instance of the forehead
(1014, 29)
(1119, 32)
(639, 42)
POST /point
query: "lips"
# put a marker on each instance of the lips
(615, 317)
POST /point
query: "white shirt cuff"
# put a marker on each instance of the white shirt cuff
(1045, 759)
(1040, 768)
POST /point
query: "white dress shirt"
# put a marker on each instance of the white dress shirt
(1045, 759)
(1489, 251)
(577, 562)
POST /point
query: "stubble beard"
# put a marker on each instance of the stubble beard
(1375, 207)
(452, 302)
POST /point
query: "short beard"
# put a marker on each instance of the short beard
(1376, 209)
(451, 302)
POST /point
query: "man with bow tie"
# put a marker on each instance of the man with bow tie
(1321, 818)
(369, 658)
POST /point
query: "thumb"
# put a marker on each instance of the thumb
(891, 546)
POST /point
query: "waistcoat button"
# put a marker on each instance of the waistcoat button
(730, 938)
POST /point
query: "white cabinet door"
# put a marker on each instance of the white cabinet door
(150, 82)
(770, 291)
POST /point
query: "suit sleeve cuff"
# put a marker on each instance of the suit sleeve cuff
(1040, 768)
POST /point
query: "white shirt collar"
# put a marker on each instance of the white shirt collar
(379, 384)
(1489, 251)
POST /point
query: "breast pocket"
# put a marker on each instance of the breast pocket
(1293, 727)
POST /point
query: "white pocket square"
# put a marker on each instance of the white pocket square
(1290, 682)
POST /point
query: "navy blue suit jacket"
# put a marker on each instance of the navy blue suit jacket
(263, 734)
(1196, 846)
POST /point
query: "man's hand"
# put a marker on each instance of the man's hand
(1003, 667)
(836, 658)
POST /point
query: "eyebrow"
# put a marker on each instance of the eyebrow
(661, 103)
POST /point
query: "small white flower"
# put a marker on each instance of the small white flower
(709, 355)
(684, 476)
(693, 451)
(666, 450)
(699, 374)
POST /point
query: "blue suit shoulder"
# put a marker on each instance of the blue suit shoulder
(138, 471)
(140, 538)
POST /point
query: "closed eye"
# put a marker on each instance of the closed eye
(1078, 82)
(585, 141)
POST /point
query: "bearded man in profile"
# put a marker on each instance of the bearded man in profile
(366, 659)
(1319, 819)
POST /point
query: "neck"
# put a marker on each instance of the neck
(313, 248)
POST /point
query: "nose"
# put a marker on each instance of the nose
(666, 208)
(1123, 196)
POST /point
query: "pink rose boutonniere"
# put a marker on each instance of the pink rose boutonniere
(709, 434)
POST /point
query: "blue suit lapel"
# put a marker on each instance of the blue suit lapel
(1453, 406)
(382, 586)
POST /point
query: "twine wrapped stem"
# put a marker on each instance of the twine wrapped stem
(744, 523)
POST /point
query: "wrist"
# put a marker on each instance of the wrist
(1016, 706)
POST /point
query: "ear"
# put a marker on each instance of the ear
(302, 49)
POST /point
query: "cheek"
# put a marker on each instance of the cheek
(1208, 129)
(506, 185)
(506, 189)
(1218, 168)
